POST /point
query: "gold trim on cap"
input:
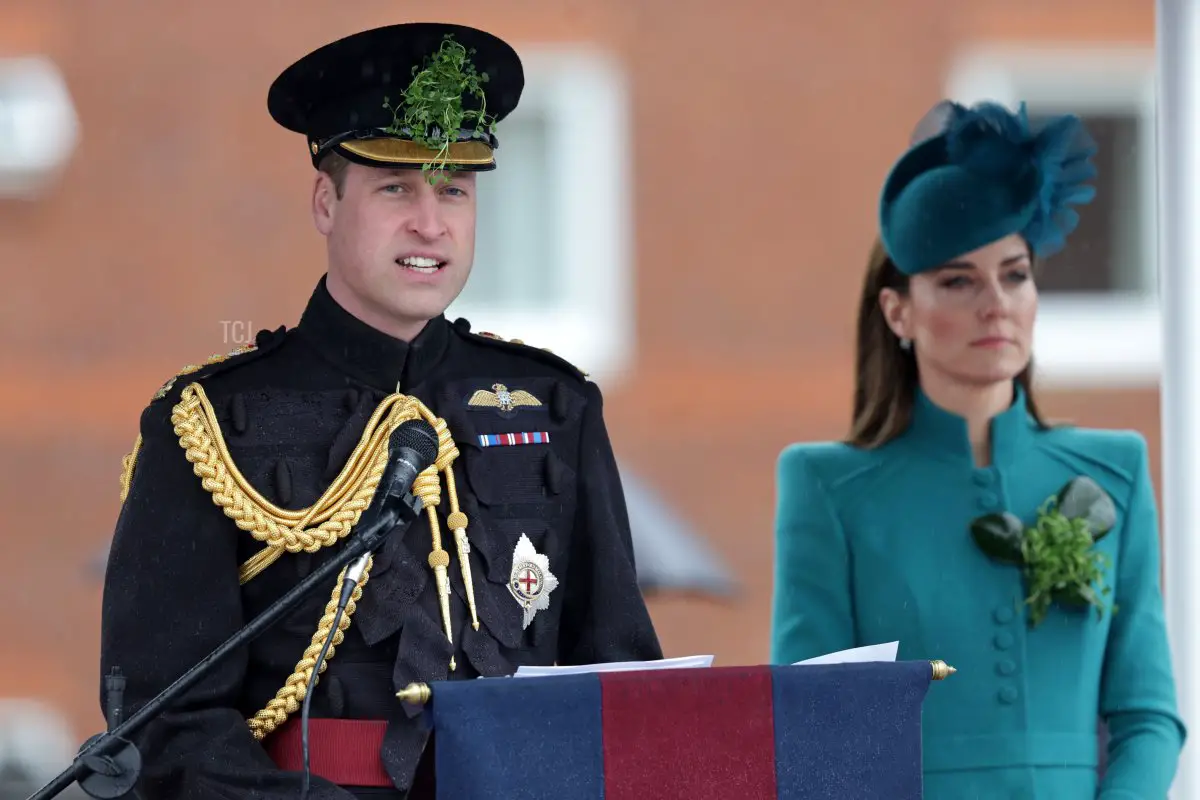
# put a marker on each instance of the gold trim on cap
(404, 151)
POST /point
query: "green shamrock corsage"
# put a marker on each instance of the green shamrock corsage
(1056, 554)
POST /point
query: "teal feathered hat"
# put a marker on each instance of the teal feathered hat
(975, 175)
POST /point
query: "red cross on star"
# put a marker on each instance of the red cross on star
(530, 580)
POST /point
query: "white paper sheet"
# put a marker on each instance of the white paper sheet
(874, 652)
(856, 655)
(683, 662)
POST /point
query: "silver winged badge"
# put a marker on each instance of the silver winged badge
(531, 581)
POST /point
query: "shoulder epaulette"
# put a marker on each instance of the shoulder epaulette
(265, 342)
(517, 345)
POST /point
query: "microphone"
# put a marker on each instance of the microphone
(412, 448)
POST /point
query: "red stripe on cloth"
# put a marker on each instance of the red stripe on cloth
(343, 751)
(699, 734)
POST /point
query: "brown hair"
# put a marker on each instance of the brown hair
(885, 376)
(335, 166)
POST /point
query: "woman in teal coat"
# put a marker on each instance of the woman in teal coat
(955, 519)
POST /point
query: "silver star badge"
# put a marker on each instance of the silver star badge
(531, 580)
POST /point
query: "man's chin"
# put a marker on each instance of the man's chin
(413, 309)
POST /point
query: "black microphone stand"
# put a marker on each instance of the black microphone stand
(108, 765)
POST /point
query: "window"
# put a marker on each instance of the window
(35, 743)
(553, 259)
(1099, 319)
(38, 126)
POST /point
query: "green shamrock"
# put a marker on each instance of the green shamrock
(1056, 553)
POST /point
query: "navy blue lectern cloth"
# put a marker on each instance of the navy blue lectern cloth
(771, 733)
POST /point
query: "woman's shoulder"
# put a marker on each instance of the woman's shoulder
(829, 463)
(1098, 441)
(1120, 453)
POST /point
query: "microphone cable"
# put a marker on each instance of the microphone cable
(420, 441)
(353, 574)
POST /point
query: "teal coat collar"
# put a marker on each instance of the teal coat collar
(944, 434)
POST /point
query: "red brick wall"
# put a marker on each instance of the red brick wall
(762, 133)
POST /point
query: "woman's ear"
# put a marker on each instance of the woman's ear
(895, 312)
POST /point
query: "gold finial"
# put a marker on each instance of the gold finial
(941, 670)
(416, 693)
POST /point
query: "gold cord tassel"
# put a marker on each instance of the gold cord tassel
(456, 520)
(429, 489)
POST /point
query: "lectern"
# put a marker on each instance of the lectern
(753, 733)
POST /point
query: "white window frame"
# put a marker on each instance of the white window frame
(583, 93)
(1086, 339)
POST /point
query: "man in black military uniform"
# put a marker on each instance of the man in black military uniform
(251, 469)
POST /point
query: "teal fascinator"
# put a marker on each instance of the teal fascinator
(975, 175)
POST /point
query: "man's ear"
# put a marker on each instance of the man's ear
(324, 203)
(895, 312)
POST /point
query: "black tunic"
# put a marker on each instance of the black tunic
(291, 412)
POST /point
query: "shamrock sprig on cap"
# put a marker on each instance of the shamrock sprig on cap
(432, 112)
(1056, 553)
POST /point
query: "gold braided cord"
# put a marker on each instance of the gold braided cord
(328, 520)
(282, 530)
(334, 514)
(287, 700)
(127, 468)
